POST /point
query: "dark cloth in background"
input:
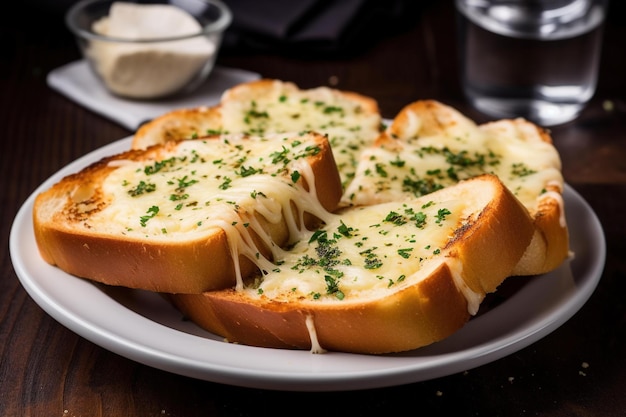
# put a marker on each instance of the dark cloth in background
(316, 27)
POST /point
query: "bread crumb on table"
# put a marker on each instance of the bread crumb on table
(583, 365)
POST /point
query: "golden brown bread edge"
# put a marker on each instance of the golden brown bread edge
(193, 266)
(260, 88)
(550, 243)
(418, 315)
(177, 124)
(186, 123)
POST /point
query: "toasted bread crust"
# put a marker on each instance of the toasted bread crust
(418, 316)
(263, 87)
(176, 125)
(550, 244)
(188, 265)
(426, 311)
(428, 118)
(191, 122)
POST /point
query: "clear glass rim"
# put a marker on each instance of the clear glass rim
(72, 15)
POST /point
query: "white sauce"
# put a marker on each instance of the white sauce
(148, 70)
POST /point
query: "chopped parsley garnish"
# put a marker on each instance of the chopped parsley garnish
(142, 187)
(441, 215)
(332, 287)
(226, 184)
(184, 182)
(280, 156)
(152, 211)
(395, 218)
(521, 170)
(159, 165)
(246, 172)
(420, 187)
(345, 230)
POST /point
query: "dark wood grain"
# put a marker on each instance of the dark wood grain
(47, 370)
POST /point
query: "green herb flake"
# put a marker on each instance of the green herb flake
(345, 230)
(441, 215)
(152, 211)
(141, 188)
(246, 172)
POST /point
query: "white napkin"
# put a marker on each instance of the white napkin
(76, 81)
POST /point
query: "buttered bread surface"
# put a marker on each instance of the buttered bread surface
(178, 217)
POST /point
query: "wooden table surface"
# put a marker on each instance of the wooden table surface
(48, 370)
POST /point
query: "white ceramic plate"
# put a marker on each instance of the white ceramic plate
(142, 326)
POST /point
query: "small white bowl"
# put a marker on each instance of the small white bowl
(149, 49)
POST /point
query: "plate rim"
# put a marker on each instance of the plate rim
(321, 377)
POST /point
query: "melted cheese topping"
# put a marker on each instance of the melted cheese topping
(419, 165)
(315, 344)
(218, 183)
(473, 299)
(284, 108)
(368, 252)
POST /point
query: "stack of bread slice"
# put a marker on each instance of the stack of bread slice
(380, 278)
(289, 218)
